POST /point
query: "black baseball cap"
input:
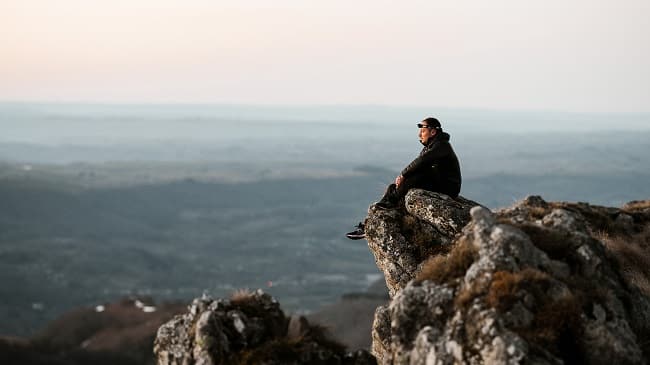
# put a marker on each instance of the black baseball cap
(432, 123)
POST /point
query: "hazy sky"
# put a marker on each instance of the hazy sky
(574, 55)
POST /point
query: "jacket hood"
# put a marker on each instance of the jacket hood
(440, 137)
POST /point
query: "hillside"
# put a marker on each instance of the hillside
(120, 332)
(538, 282)
(65, 246)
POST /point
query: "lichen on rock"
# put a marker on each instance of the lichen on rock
(537, 282)
(402, 239)
(250, 328)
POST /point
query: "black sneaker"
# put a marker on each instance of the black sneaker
(358, 233)
(385, 204)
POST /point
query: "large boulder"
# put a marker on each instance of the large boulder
(537, 283)
(249, 328)
(402, 239)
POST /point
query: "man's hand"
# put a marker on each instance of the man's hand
(398, 180)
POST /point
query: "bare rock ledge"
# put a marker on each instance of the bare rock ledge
(535, 283)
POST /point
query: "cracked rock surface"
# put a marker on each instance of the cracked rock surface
(535, 283)
(401, 240)
(250, 328)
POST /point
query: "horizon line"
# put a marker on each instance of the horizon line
(314, 106)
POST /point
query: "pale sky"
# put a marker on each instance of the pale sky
(568, 55)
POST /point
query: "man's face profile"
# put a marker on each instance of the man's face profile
(424, 132)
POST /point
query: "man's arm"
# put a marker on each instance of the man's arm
(427, 159)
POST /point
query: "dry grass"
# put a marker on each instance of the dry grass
(556, 325)
(240, 296)
(558, 329)
(254, 306)
(466, 296)
(554, 318)
(506, 287)
(538, 212)
(315, 344)
(637, 205)
(444, 269)
(632, 254)
(530, 213)
(276, 347)
(246, 301)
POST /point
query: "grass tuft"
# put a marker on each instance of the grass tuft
(557, 328)
(467, 295)
(241, 296)
(507, 287)
(316, 346)
(637, 205)
(537, 212)
(444, 269)
(556, 324)
(632, 254)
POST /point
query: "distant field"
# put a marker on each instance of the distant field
(97, 205)
(62, 247)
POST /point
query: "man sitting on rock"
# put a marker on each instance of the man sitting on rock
(435, 169)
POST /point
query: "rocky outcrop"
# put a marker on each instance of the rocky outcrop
(537, 283)
(402, 242)
(249, 328)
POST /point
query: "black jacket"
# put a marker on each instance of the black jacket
(438, 162)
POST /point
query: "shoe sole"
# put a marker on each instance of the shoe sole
(382, 207)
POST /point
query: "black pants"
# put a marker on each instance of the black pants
(396, 194)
